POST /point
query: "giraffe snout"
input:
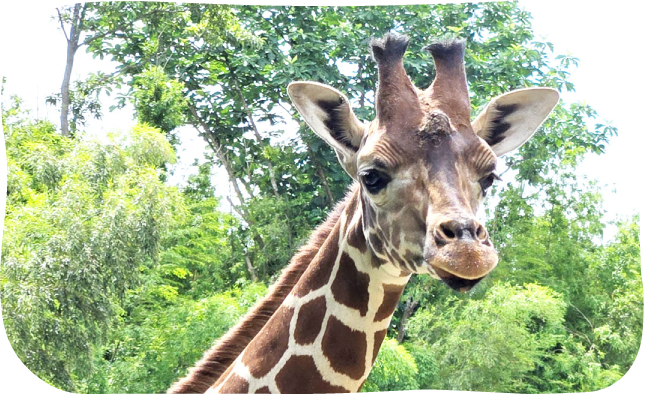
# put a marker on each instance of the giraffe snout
(459, 229)
(458, 248)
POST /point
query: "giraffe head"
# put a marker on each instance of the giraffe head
(423, 166)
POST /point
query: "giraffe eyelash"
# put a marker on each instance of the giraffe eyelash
(488, 181)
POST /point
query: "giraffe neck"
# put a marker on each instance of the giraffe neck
(327, 333)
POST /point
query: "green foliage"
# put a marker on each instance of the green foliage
(149, 146)
(35, 155)
(424, 358)
(523, 327)
(203, 254)
(470, 338)
(394, 369)
(558, 246)
(84, 100)
(615, 312)
(83, 218)
(149, 354)
(158, 100)
(551, 244)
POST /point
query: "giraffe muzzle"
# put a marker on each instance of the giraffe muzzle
(461, 252)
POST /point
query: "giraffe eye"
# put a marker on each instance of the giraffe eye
(374, 180)
(487, 182)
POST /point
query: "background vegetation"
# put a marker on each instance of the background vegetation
(114, 280)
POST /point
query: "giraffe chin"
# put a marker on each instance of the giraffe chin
(455, 282)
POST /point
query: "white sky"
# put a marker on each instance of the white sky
(608, 42)
(608, 79)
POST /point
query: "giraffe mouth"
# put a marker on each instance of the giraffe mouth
(455, 282)
(463, 264)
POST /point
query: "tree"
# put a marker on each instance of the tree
(159, 101)
(75, 17)
(83, 220)
(613, 317)
(83, 98)
(160, 339)
(469, 339)
(394, 369)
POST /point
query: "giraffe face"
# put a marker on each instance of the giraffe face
(421, 186)
(422, 165)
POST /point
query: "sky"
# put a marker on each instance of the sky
(608, 42)
(608, 78)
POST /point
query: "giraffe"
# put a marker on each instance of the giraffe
(421, 170)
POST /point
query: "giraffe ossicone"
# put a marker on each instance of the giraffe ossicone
(421, 171)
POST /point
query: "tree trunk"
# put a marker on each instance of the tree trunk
(217, 148)
(72, 46)
(409, 309)
(250, 267)
(219, 151)
(64, 92)
(256, 132)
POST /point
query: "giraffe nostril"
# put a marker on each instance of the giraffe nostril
(459, 229)
(447, 231)
(481, 232)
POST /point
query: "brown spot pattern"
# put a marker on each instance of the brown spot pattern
(300, 376)
(376, 262)
(263, 390)
(345, 348)
(235, 385)
(349, 213)
(395, 237)
(378, 340)
(356, 239)
(415, 260)
(264, 352)
(391, 296)
(376, 243)
(350, 287)
(319, 271)
(395, 258)
(309, 322)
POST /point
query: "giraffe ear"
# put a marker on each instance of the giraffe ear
(511, 119)
(328, 114)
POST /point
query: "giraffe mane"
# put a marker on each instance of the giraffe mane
(226, 349)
